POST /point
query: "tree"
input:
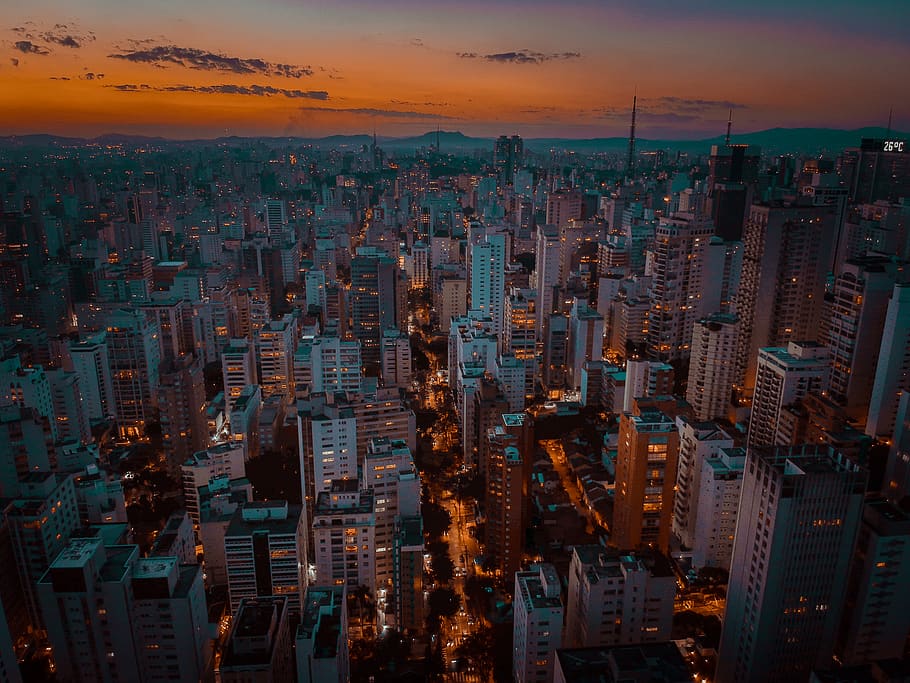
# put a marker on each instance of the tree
(436, 519)
(444, 603)
(479, 648)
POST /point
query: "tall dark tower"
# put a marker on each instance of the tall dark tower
(630, 164)
(729, 126)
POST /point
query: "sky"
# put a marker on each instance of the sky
(205, 68)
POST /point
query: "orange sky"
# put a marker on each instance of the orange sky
(291, 67)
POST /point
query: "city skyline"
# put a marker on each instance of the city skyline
(198, 69)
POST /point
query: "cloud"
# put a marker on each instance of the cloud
(694, 104)
(64, 35)
(385, 113)
(409, 103)
(417, 42)
(193, 58)
(523, 56)
(14, 61)
(29, 48)
(227, 89)
(90, 76)
(60, 78)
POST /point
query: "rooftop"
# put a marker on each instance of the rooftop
(657, 662)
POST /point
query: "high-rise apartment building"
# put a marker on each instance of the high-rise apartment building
(563, 206)
(134, 353)
(41, 519)
(344, 520)
(545, 278)
(70, 413)
(326, 363)
(488, 263)
(537, 629)
(408, 581)
(585, 339)
(646, 465)
(698, 443)
(113, 616)
(275, 346)
(238, 366)
(508, 153)
(508, 454)
(91, 362)
(519, 333)
(783, 376)
(876, 619)
(712, 365)
(617, 597)
(892, 373)
(378, 298)
(786, 257)
(321, 640)
(395, 359)
(855, 320)
(382, 466)
(681, 272)
(259, 646)
(200, 468)
(265, 553)
(798, 518)
(181, 404)
(878, 169)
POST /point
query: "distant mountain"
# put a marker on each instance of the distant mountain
(774, 140)
(796, 140)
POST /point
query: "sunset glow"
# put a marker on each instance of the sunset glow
(290, 67)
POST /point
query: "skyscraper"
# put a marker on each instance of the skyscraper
(645, 480)
(488, 262)
(699, 442)
(344, 520)
(134, 352)
(238, 367)
(681, 272)
(876, 619)
(508, 154)
(508, 452)
(712, 366)
(892, 374)
(855, 320)
(181, 402)
(798, 519)
(275, 346)
(265, 552)
(537, 629)
(787, 254)
(377, 301)
(618, 597)
(784, 376)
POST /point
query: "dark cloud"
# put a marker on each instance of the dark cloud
(60, 78)
(523, 56)
(694, 104)
(229, 89)
(385, 113)
(417, 42)
(29, 48)
(193, 58)
(14, 61)
(65, 41)
(64, 35)
(90, 76)
(409, 103)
